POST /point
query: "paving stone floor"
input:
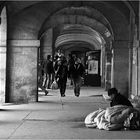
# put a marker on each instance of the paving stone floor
(55, 117)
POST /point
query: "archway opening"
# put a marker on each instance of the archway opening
(83, 36)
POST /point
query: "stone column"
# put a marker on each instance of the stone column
(138, 66)
(21, 78)
(103, 67)
(2, 73)
(53, 41)
(56, 32)
(121, 66)
(131, 39)
(108, 69)
(46, 45)
(112, 68)
(135, 64)
(3, 40)
(138, 69)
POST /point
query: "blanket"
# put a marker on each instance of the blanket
(111, 118)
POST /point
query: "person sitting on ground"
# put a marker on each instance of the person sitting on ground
(117, 98)
(130, 116)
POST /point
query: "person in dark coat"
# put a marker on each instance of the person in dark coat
(61, 75)
(76, 72)
(70, 63)
(130, 116)
(40, 74)
(117, 98)
(49, 70)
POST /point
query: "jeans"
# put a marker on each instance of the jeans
(48, 80)
(62, 85)
(77, 82)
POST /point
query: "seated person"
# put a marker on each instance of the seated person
(129, 116)
(117, 98)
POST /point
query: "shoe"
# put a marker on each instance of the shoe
(46, 92)
(63, 95)
(77, 95)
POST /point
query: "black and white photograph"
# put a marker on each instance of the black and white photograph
(69, 69)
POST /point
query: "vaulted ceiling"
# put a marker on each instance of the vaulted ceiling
(91, 23)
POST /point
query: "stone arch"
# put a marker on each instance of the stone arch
(76, 33)
(78, 37)
(75, 16)
(78, 15)
(25, 18)
(73, 19)
(85, 11)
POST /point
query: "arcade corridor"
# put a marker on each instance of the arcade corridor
(104, 33)
(31, 30)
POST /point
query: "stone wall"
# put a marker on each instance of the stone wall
(138, 71)
(46, 45)
(121, 66)
(21, 81)
(2, 73)
(3, 37)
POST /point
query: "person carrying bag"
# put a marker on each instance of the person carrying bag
(54, 85)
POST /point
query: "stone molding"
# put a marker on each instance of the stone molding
(24, 43)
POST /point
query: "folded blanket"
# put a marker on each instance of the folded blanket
(89, 120)
(117, 114)
(111, 118)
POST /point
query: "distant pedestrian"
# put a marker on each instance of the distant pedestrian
(76, 72)
(49, 71)
(61, 75)
(60, 53)
(70, 63)
(40, 74)
(56, 63)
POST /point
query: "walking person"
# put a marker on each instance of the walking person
(56, 63)
(76, 72)
(61, 75)
(70, 63)
(49, 70)
(40, 74)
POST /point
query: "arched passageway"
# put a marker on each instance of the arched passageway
(76, 32)
(39, 28)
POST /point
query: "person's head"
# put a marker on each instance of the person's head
(64, 62)
(77, 61)
(59, 51)
(112, 92)
(48, 57)
(69, 55)
(56, 57)
(74, 56)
